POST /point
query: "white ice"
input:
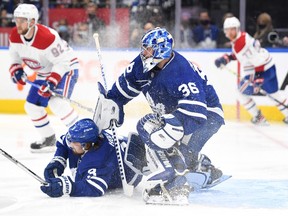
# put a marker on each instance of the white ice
(256, 157)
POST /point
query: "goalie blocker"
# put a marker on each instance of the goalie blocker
(106, 111)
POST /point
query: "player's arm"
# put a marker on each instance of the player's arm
(110, 104)
(224, 60)
(17, 73)
(58, 54)
(128, 86)
(58, 163)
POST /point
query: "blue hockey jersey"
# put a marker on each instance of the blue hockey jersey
(180, 88)
(95, 171)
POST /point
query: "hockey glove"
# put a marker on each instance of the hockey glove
(257, 83)
(17, 74)
(107, 110)
(224, 60)
(46, 89)
(55, 168)
(58, 187)
(160, 132)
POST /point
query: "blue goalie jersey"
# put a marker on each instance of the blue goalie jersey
(180, 88)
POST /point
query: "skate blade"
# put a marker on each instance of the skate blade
(49, 149)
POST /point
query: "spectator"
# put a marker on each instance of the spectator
(186, 34)
(81, 34)
(95, 24)
(223, 41)
(205, 34)
(5, 19)
(138, 32)
(63, 29)
(263, 28)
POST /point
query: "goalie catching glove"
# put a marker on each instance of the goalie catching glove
(160, 132)
(48, 87)
(107, 110)
(58, 187)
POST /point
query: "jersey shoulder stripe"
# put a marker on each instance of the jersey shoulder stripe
(14, 36)
(240, 42)
(43, 38)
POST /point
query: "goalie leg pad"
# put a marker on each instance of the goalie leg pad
(135, 154)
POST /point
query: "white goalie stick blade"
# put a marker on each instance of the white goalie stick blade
(199, 180)
(218, 181)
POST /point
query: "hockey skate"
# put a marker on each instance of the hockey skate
(205, 165)
(44, 146)
(161, 196)
(259, 119)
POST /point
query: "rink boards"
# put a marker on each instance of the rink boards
(12, 97)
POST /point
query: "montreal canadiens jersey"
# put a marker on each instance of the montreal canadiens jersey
(96, 171)
(45, 53)
(179, 88)
(250, 54)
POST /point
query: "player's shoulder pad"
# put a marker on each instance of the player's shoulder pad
(43, 38)
(240, 42)
(14, 36)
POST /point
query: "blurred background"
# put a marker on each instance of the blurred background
(122, 22)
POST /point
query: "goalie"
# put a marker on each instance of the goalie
(187, 113)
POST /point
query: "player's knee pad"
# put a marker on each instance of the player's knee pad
(35, 112)
(63, 110)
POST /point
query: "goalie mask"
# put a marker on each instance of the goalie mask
(161, 42)
(83, 131)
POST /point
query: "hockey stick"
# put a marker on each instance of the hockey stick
(262, 91)
(30, 172)
(62, 97)
(128, 189)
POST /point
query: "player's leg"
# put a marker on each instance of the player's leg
(270, 86)
(191, 147)
(246, 89)
(60, 107)
(35, 108)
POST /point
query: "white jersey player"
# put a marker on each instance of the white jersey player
(258, 68)
(56, 66)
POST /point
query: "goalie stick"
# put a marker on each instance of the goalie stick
(62, 97)
(262, 91)
(23, 167)
(128, 189)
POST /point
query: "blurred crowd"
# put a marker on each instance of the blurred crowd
(198, 29)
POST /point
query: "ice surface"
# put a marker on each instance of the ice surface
(256, 157)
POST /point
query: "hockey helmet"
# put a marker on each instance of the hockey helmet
(231, 22)
(162, 43)
(28, 11)
(83, 131)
